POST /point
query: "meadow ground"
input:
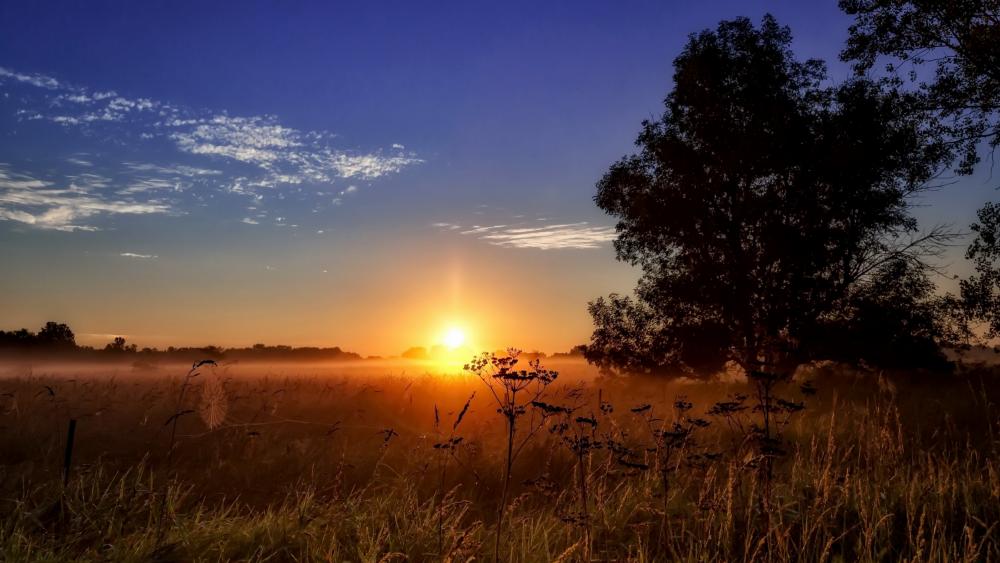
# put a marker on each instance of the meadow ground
(366, 463)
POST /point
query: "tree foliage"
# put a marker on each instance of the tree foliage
(981, 290)
(119, 346)
(53, 337)
(760, 207)
(960, 39)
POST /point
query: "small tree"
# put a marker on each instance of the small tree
(119, 346)
(56, 335)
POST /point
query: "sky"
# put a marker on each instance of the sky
(366, 175)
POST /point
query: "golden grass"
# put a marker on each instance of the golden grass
(329, 468)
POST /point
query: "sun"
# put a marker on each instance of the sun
(454, 337)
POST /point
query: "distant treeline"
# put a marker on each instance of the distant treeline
(56, 340)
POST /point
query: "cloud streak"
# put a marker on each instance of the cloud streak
(36, 80)
(579, 235)
(42, 204)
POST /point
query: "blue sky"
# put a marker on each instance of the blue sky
(324, 173)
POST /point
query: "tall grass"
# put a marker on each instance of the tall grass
(513, 391)
(290, 474)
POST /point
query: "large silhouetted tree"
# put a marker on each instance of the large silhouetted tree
(766, 209)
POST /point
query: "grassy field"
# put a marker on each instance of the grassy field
(313, 463)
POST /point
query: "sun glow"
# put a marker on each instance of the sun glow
(454, 337)
(451, 348)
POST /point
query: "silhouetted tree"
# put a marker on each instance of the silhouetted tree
(52, 336)
(981, 290)
(416, 353)
(18, 339)
(56, 335)
(959, 38)
(574, 352)
(761, 208)
(118, 346)
(870, 325)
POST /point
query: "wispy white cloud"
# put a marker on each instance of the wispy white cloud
(173, 170)
(138, 256)
(369, 166)
(84, 97)
(570, 235)
(476, 229)
(37, 80)
(245, 155)
(88, 181)
(149, 185)
(42, 204)
(579, 235)
(289, 156)
(254, 140)
(98, 108)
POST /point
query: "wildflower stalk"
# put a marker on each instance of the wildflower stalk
(512, 390)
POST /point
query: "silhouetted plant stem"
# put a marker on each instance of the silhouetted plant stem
(665, 485)
(671, 440)
(68, 456)
(173, 420)
(506, 484)
(442, 468)
(767, 439)
(440, 513)
(584, 511)
(178, 412)
(446, 450)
